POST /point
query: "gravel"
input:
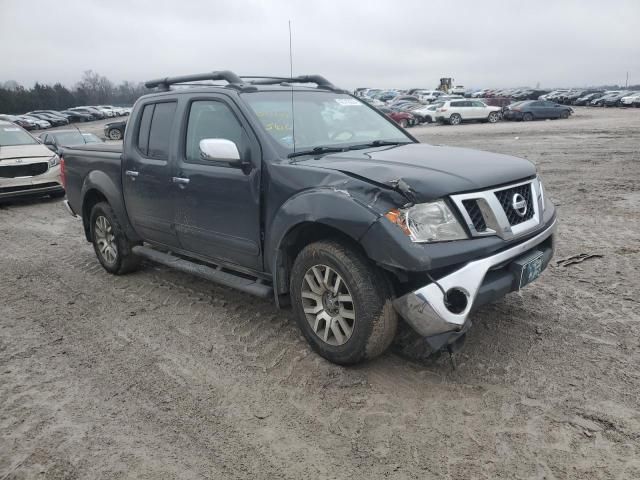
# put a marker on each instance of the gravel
(161, 375)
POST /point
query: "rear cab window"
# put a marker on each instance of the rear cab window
(155, 129)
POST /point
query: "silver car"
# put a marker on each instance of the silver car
(26, 166)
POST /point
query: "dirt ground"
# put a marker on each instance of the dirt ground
(159, 375)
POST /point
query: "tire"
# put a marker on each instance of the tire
(403, 123)
(493, 117)
(527, 117)
(363, 291)
(114, 134)
(455, 119)
(117, 258)
(564, 114)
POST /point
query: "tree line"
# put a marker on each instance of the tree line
(92, 89)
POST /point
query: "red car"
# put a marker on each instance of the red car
(403, 119)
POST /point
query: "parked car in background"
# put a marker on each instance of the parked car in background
(615, 100)
(115, 130)
(600, 101)
(586, 99)
(454, 112)
(39, 123)
(26, 166)
(426, 113)
(52, 119)
(77, 116)
(404, 119)
(66, 138)
(22, 122)
(404, 98)
(373, 101)
(632, 100)
(458, 90)
(429, 96)
(536, 110)
(96, 113)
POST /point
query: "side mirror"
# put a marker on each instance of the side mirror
(220, 150)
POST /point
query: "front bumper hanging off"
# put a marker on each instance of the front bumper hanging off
(425, 309)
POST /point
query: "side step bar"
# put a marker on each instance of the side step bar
(249, 285)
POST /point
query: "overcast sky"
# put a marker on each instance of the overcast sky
(374, 43)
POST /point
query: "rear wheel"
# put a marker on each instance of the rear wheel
(455, 119)
(112, 247)
(342, 303)
(527, 117)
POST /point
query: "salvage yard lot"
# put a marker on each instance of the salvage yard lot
(161, 375)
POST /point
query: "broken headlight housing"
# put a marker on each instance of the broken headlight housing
(428, 222)
(53, 161)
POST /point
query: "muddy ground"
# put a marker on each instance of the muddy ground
(160, 375)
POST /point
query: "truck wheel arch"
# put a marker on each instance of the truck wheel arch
(97, 187)
(309, 217)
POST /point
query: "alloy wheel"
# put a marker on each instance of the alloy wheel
(328, 305)
(105, 240)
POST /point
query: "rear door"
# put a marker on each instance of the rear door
(217, 205)
(147, 175)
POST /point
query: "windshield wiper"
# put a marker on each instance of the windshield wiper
(316, 150)
(376, 143)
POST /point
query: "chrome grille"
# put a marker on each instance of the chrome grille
(475, 214)
(507, 211)
(505, 197)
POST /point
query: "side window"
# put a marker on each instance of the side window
(211, 119)
(160, 130)
(458, 104)
(143, 132)
(478, 104)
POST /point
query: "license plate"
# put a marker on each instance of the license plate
(530, 270)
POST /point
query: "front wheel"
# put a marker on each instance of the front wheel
(403, 123)
(564, 114)
(115, 134)
(112, 247)
(493, 117)
(527, 117)
(342, 303)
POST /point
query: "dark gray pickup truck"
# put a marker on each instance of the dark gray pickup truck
(293, 189)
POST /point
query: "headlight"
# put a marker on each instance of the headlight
(428, 222)
(53, 161)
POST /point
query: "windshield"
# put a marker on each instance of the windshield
(70, 138)
(13, 135)
(321, 119)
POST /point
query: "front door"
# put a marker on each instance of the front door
(147, 175)
(217, 205)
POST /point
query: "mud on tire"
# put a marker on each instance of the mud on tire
(375, 321)
(124, 260)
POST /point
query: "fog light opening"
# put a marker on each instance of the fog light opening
(456, 300)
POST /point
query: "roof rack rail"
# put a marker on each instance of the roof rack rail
(317, 79)
(164, 83)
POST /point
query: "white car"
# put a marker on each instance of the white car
(454, 112)
(429, 96)
(458, 90)
(631, 100)
(426, 113)
(26, 166)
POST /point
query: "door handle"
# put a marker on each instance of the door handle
(131, 173)
(180, 180)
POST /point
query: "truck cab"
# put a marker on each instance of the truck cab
(293, 189)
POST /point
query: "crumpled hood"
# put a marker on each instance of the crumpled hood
(24, 151)
(431, 171)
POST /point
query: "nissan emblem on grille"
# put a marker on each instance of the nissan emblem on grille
(519, 204)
